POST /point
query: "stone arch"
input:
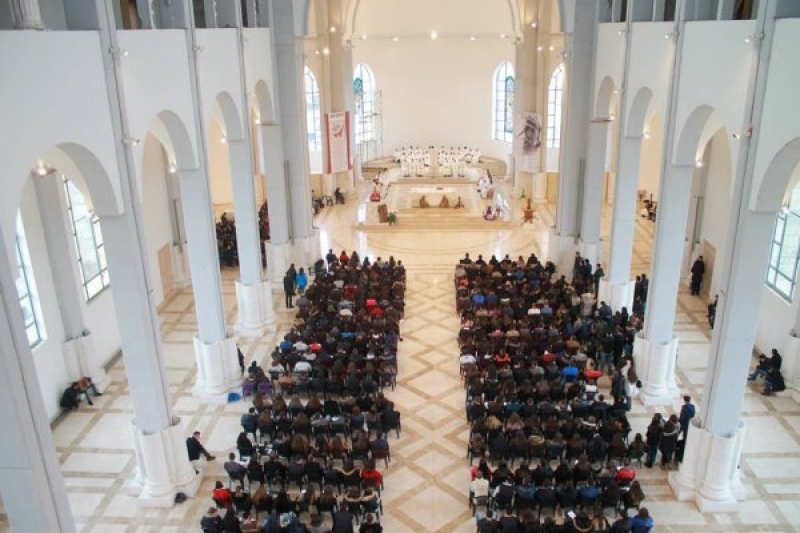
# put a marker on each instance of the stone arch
(691, 134)
(231, 118)
(264, 102)
(170, 130)
(777, 176)
(603, 100)
(639, 113)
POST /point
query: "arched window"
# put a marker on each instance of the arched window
(313, 112)
(503, 103)
(88, 242)
(26, 290)
(364, 94)
(555, 94)
(785, 250)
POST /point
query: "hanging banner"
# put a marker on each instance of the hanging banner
(528, 141)
(337, 135)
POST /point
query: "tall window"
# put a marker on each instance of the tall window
(88, 242)
(783, 256)
(26, 290)
(313, 111)
(364, 93)
(555, 93)
(503, 103)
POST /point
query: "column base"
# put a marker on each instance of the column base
(81, 358)
(218, 372)
(254, 315)
(618, 295)
(539, 193)
(791, 366)
(709, 474)
(163, 467)
(655, 365)
(561, 251)
(277, 262)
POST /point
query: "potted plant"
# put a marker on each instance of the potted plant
(392, 218)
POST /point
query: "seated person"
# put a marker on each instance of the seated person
(196, 449)
(221, 495)
(71, 397)
(774, 382)
(85, 385)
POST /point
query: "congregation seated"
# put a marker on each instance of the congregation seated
(545, 437)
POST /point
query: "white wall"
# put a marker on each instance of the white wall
(437, 92)
(47, 356)
(155, 201)
(219, 166)
(650, 158)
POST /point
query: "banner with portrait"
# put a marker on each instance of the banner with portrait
(337, 137)
(528, 143)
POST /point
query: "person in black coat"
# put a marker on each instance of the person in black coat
(71, 397)
(288, 289)
(196, 449)
(211, 522)
(698, 270)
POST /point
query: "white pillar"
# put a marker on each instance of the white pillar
(593, 189)
(289, 63)
(31, 484)
(212, 338)
(656, 350)
(540, 187)
(791, 365)
(251, 320)
(618, 289)
(26, 15)
(80, 354)
(143, 355)
(711, 476)
(579, 47)
(277, 202)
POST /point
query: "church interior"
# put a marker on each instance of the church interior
(168, 163)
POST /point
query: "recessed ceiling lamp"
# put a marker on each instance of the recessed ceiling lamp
(533, 24)
(395, 38)
(434, 35)
(472, 38)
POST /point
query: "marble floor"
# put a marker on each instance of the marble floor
(426, 485)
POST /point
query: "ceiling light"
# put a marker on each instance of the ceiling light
(551, 47)
(223, 139)
(326, 51)
(646, 134)
(503, 35)
(472, 38)
(434, 35)
(172, 168)
(395, 38)
(364, 37)
(533, 24)
(316, 52)
(539, 48)
(333, 29)
(699, 163)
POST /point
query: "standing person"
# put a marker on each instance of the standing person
(687, 413)
(652, 438)
(288, 289)
(698, 270)
(598, 274)
(301, 280)
(712, 312)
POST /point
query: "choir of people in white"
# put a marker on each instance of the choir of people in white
(416, 161)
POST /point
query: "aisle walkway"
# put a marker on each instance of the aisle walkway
(426, 485)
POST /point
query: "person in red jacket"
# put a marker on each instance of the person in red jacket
(222, 496)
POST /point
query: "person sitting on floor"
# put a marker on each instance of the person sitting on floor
(71, 398)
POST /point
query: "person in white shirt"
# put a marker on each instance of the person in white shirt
(302, 366)
(479, 488)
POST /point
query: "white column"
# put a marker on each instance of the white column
(655, 352)
(289, 62)
(791, 365)
(215, 349)
(250, 291)
(27, 15)
(540, 187)
(79, 350)
(618, 289)
(31, 484)
(143, 355)
(712, 480)
(277, 202)
(593, 190)
(579, 47)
